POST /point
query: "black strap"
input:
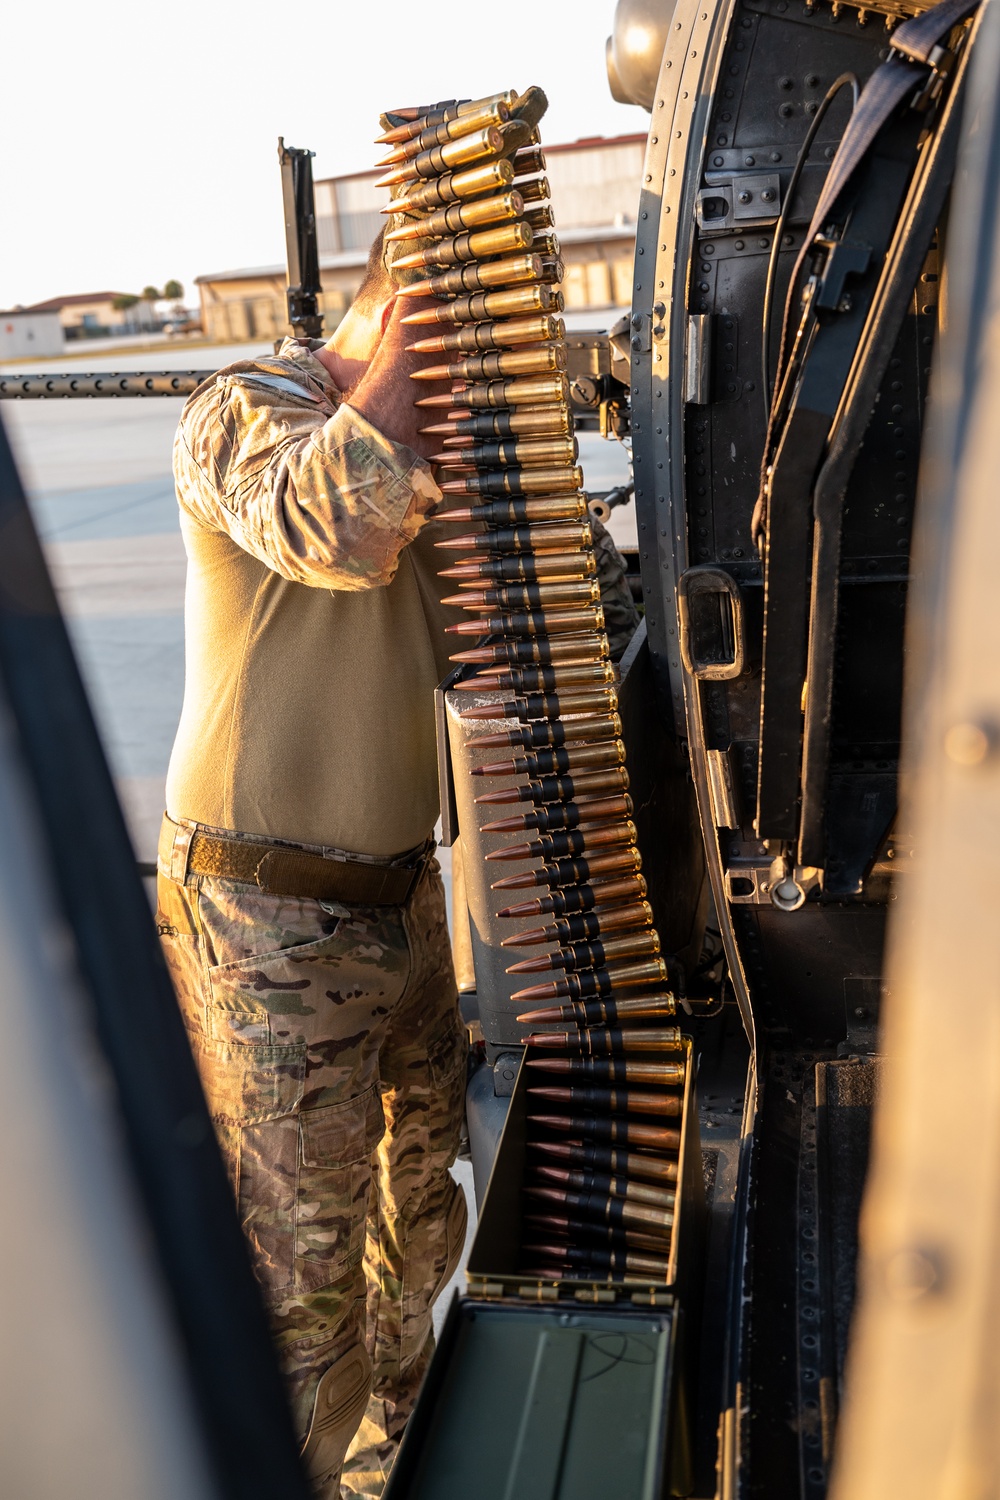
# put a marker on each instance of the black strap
(907, 72)
(913, 41)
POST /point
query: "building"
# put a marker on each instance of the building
(89, 315)
(26, 333)
(595, 192)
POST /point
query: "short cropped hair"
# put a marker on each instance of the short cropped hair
(377, 286)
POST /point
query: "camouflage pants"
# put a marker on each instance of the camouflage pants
(332, 1056)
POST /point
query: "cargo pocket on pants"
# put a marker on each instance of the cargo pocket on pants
(253, 1094)
(335, 1178)
(431, 1256)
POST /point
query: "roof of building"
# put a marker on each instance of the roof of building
(337, 260)
(24, 312)
(77, 299)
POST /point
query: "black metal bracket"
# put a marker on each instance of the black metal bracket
(301, 245)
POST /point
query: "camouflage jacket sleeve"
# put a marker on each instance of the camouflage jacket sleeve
(267, 452)
(621, 617)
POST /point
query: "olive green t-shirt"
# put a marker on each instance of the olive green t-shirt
(313, 624)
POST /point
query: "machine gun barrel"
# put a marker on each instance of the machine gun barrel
(107, 383)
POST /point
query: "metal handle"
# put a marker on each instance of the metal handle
(699, 583)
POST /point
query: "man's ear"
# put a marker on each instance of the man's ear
(386, 314)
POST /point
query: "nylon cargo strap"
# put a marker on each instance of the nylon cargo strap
(283, 871)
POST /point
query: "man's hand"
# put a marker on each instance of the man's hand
(385, 393)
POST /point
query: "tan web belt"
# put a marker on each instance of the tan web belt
(293, 872)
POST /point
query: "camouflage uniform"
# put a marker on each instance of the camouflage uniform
(621, 618)
(333, 1061)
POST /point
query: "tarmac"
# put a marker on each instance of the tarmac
(98, 475)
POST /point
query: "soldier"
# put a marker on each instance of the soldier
(301, 908)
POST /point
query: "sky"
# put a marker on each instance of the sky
(142, 139)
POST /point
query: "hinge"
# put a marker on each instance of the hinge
(653, 1298)
(490, 1291)
(698, 359)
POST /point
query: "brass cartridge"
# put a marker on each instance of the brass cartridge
(516, 236)
(584, 925)
(462, 152)
(604, 1012)
(515, 480)
(573, 899)
(607, 1209)
(578, 871)
(575, 1226)
(547, 732)
(475, 214)
(509, 333)
(556, 788)
(548, 706)
(528, 160)
(528, 595)
(593, 1157)
(497, 113)
(482, 306)
(617, 1130)
(419, 118)
(596, 954)
(568, 843)
(538, 360)
(475, 276)
(525, 567)
(544, 242)
(492, 177)
(615, 1069)
(572, 815)
(579, 651)
(534, 190)
(517, 510)
(606, 1184)
(606, 1041)
(507, 452)
(567, 758)
(461, 431)
(531, 390)
(538, 215)
(597, 983)
(551, 679)
(621, 1101)
(546, 622)
(585, 1262)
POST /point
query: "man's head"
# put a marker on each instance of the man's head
(354, 342)
(375, 294)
